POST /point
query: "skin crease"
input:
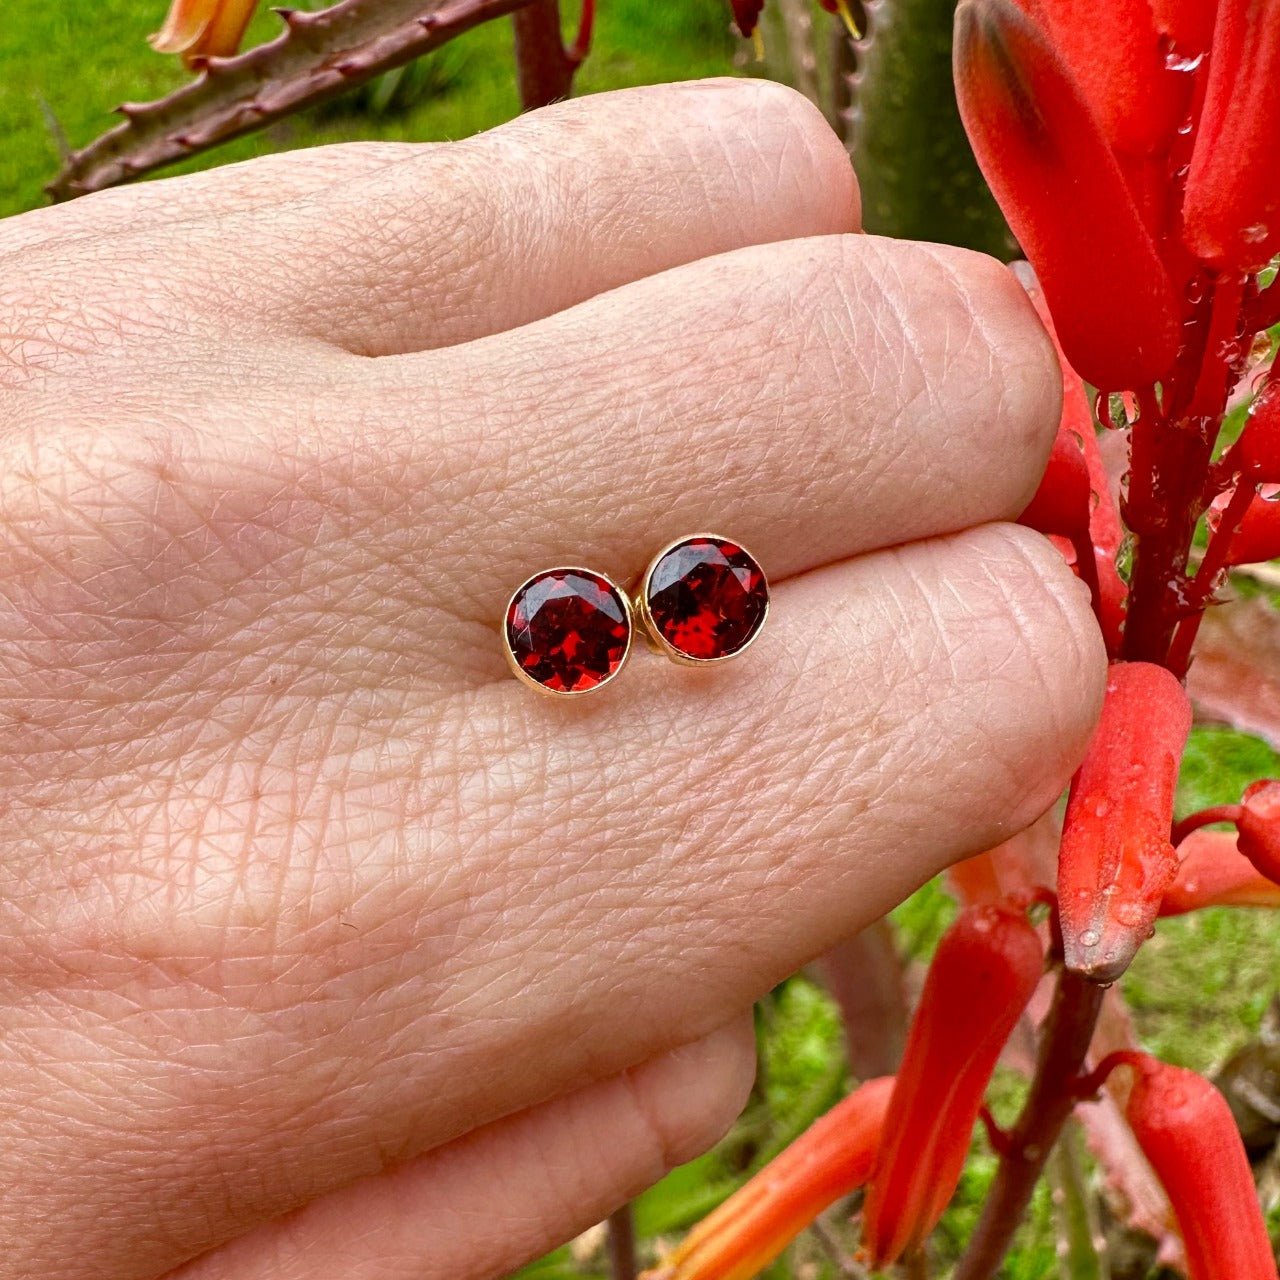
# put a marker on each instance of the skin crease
(327, 949)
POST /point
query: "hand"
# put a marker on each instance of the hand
(308, 907)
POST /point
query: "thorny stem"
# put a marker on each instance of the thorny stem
(544, 67)
(1067, 1032)
(318, 55)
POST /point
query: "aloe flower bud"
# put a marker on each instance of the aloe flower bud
(1137, 111)
(1062, 504)
(832, 1158)
(1258, 537)
(1231, 209)
(983, 973)
(1259, 826)
(1187, 1132)
(746, 14)
(1214, 873)
(1259, 445)
(1055, 176)
(1115, 861)
(199, 29)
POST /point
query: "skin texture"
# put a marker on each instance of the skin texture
(329, 950)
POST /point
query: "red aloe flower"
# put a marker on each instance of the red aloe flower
(1231, 211)
(1258, 449)
(1137, 111)
(746, 14)
(1046, 159)
(832, 1158)
(1259, 826)
(985, 969)
(1186, 1130)
(1116, 861)
(1214, 873)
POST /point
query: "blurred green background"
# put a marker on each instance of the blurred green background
(1198, 991)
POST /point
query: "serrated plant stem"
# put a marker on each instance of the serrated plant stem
(317, 56)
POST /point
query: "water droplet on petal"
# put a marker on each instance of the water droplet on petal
(1254, 234)
(1089, 938)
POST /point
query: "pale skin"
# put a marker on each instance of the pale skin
(330, 951)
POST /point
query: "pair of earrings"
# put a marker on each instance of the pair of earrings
(569, 630)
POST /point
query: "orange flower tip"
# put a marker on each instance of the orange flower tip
(202, 29)
(984, 971)
(831, 1159)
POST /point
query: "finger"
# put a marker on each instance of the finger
(557, 206)
(234, 188)
(486, 1203)
(813, 400)
(481, 902)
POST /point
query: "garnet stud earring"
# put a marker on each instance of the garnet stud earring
(568, 630)
(702, 599)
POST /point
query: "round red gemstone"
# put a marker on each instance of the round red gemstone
(568, 629)
(707, 598)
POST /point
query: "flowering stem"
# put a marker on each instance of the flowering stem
(544, 67)
(1193, 822)
(1067, 1032)
(1202, 586)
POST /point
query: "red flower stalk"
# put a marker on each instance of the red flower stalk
(1214, 873)
(985, 969)
(1259, 826)
(1231, 210)
(1186, 1130)
(1116, 861)
(1053, 172)
(832, 1158)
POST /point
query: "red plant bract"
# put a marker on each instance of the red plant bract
(1044, 155)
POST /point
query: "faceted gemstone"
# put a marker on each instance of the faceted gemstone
(707, 597)
(569, 629)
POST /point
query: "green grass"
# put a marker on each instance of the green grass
(77, 61)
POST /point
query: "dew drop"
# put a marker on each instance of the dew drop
(1176, 60)
(1089, 938)
(1195, 289)
(1254, 234)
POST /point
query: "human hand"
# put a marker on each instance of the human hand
(310, 909)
